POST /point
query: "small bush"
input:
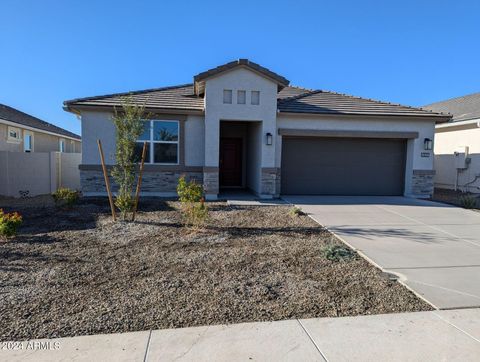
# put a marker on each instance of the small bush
(335, 252)
(468, 202)
(194, 209)
(65, 197)
(9, 224)
(296, 211)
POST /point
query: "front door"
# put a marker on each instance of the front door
(230, 162)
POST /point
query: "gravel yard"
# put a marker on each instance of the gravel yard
(75, 272)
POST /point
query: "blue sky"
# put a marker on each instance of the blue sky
(411, 52)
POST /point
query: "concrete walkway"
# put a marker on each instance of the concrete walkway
(433, 247)
(424, 336)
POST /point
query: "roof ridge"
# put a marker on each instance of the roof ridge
(298, 96)
(149, 90)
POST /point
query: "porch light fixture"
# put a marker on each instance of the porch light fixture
(427, 144)
(269, 139)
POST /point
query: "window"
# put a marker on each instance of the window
(162, 139)
(13, 134)
(27, 141)
(241, 96)
(255, 97)
(61, 145)
(227, 96)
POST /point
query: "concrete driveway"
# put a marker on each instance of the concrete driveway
(433, 247)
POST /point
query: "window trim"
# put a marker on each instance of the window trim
(17, 139)
(151, 142)
(28, 133)
(231, 96)
(244, 96)
(251, 98)
(60, 140)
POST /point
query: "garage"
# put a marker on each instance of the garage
(342, 166)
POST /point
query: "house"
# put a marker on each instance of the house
(241, 125)
(21, 132)
(457, 144)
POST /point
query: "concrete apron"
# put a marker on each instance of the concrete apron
(433, 248)
(423, 336)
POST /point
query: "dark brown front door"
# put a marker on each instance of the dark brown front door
(230, 162)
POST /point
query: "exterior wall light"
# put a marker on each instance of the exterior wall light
(269, 139)
(427, 144)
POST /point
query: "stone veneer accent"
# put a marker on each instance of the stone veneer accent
(270, 182)
(152, 181)
(211, 181)
(422, 182)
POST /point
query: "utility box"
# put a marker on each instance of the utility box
(461, 158)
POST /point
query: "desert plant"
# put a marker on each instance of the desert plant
(194, 209)
(468, 202)
(9, 223)
(296, 211)
(65, 197)
(335, 252)
(129, 124)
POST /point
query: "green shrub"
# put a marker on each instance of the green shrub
(296, 211)
(468, 202)
(194, 209)
(335, 252)
(65, 197)
(9, 223)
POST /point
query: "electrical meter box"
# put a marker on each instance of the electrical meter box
(461, 157)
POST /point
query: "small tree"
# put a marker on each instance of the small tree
(129, 123)
(195, 211)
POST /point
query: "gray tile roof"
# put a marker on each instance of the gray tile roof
(462, 108)
(326, 102)
(179, 97)
(23, 119)
(290, 99)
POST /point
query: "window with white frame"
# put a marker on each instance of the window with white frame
(162, 139)
(241, 97)
(227, 96)
(13, 134)
(27, 141)
(255, 100)
(61, 145)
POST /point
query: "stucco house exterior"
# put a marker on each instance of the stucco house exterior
(457, 144)
(241, 125)
(21, 132)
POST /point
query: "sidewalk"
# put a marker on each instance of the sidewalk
(423, 336)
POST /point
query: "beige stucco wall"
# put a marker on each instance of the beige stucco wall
(447, 142)
(42, 142)
(216, 110)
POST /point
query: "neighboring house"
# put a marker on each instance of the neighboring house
(21, 132)
(242, 126)
(457, 144)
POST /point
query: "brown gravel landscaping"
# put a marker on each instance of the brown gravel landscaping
(453, 197)
(75, 272)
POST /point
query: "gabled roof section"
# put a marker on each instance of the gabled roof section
(180, 97)
(199, 79)
(462, 108)
(13, 115)
(325, 102)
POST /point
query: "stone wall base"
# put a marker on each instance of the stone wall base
(270, 182)
(422, 183)
(153, 183)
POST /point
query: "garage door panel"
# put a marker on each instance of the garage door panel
(342, 166)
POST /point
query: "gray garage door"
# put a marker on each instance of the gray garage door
(342, 166)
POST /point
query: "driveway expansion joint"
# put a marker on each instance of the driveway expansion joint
(312, 340)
